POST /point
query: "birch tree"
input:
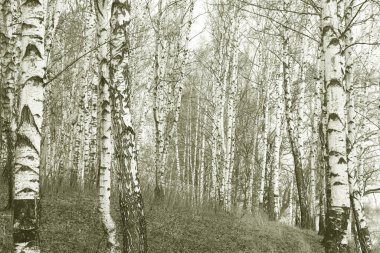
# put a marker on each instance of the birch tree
(295, 148)
(103, 11)
(168, 67)
(359, 222)
(129, 185)
(9, 64)
(266, 123)
(336, 236)
(231, 119)
(277, 149)
(30, 114)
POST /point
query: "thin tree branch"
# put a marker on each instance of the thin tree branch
(278, 9)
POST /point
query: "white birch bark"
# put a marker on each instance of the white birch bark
(339, 205)
(185, 171)
(315, 138)
(291, 202)
(223, 52)
(224, 69)
(86, 89)
(231, 116)
(48, 140)
(277, 148)
(54, 9)
(201, 170)
(218, 126)
(103, 17)
(252, 166)
(160, 57)
(214, 151)
(30, 114)
(188, 157)
(9, 61)
(179, 85)
(195, 153)
(264, 150)
(300, 127)
(94, 143)
(81, 137)
(129, 184)
(291, 126)
(363, 240)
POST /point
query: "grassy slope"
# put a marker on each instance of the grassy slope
(188, 232)
(71, 224)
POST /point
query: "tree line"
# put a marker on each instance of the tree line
(270, 110)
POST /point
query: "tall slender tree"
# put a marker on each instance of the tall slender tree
(9, 66)
(295, 148)
(277, 148)
(338, 209)
(29, 122)
(129, 186)
(359, 221)
(103, 12)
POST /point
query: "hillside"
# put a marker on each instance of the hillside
(71, 224)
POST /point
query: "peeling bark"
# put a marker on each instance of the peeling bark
(28, 141)
(103, 14)
(336, 235)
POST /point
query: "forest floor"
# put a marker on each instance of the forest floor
(71, 223)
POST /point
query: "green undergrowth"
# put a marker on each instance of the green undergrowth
(186, 231)
(71, 223)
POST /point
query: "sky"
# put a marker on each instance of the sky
(198, 33)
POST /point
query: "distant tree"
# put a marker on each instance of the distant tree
(296, 149)
(362, 235)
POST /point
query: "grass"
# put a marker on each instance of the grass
(188, 232)
(71, 223)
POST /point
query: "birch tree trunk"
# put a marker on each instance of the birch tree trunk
(28, 142)
(224, 40)
(291, 202)
(300, 127)
(202, 158)
(87, 90)
(218, 126)
(158, 110)
(314, 161)
(298, 168)
(226, 50)
(188, 133)
(3, 41)
(54, 9)
(94, 143)
(129, 185)
(195, 154)
(103, 14)
(277, 149)
(179, 86)
(214, 150)
(363, 241)
(252, 168)
(338, 212)
(322, 126)
(265, 150)
(9, 65)
(231, 115)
